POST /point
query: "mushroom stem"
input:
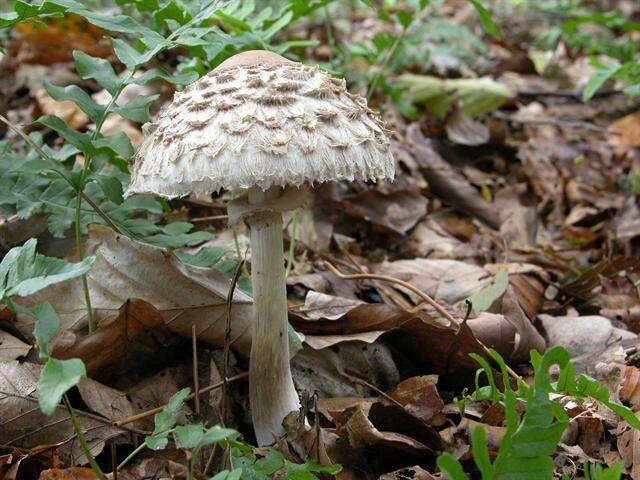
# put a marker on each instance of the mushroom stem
(271, 391)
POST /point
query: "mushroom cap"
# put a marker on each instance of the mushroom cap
(259, 119)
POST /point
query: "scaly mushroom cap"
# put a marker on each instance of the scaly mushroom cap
(259, 119)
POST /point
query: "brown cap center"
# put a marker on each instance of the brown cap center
(253, 57)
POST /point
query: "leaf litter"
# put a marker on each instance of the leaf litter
(515, 207)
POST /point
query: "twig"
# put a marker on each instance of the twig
(196, 377)
(420, 293)
(227, 343)
(292, 244)
(114, 460)
(371, 276)
(153, 411)
(81, 413)
(208, 219)
(393, 295)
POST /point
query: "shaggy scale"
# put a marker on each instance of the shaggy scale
(262, 125)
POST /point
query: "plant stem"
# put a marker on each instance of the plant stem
(83, 441)
(138, 449)
(292, 244)
(80, 255)
(385, 63)
(80, 194)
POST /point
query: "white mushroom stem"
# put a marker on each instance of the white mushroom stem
(271, 391)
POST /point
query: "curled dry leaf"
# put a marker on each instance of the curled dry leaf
(127, 269)
(415, 472)
(133, 338)
(427, 342)
(72, 473)
(419, 396)
(20, 464)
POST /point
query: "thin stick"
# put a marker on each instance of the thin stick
(408, 286)
(114, 460)
(420, 293)
(292, 244)
(196, 377)
(227, 342)
(393, 295)
(153, 411)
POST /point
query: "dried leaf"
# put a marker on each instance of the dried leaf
(127, 269)
(12, 348)
(133, 338)
(419, 396)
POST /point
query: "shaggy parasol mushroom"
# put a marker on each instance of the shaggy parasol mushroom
(265, 127)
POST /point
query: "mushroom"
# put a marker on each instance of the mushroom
(266, 128)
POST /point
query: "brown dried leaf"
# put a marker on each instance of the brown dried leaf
(24, 425)
(419, 396)
(73, 473)
(66, 110)
(127, 269)
(133, 338)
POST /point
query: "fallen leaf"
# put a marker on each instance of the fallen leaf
(447, 281)
(626, 130)
(72, 473)
(464, 130)
(24, 425)
(55, 41)
(12, 348)
(127, 269)
(397, 211)
(419, 396)
(415, 473)
(133, 338)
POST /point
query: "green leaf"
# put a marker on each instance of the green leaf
(405, 18)
(137, 110)
(119, 144)
(278, 25)
(188, 436)
(57, 377)
(112, 188)
(79, 97)
(81, 141)
(481, 451)
(598, 79)
(47, 324)
(217, 434)
(486, 297)
(128, 55)
(165, 420)
(179, 79)
(98, 69)
(24, 272)
(451, 467)
(175, 236)
(485, 19)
